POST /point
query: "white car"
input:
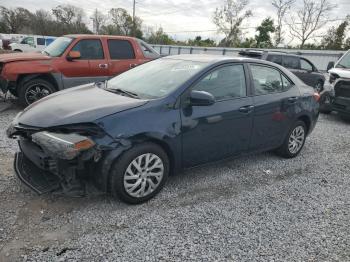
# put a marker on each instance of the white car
(32, 43)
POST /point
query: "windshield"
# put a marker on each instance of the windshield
(57, 47)
(344, 62)
(157, 78)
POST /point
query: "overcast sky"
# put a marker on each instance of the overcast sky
(178, 18)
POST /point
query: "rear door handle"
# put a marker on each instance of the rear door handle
(133, 65)
(103, 65)
(293, 100)
(246, 109)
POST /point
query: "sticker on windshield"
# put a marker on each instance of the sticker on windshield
(185, 67)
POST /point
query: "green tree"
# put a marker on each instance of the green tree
(160, 38)
(335, 36)
(229, 18)
(263, 39)
(13, 20)
(198, 41)
(123, 23)
(248, 43)
(69, 20)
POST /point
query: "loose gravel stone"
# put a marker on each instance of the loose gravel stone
(229, 211)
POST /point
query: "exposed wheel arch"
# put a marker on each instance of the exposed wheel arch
(47, 77)
(307, 122)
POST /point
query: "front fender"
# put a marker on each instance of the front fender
(13, 70)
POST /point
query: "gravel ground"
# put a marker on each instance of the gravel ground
(255, 208)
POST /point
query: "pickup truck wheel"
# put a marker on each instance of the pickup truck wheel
(319, 86)
(33, 90)
(18, 51)
(326, 104)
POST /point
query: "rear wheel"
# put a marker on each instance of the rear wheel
(345, 117)
(294, 142)
(319, 86)
(33, 90)
(139, 174)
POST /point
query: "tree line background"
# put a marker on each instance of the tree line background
(302, 25)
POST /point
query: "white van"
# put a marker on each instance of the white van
(32, 43)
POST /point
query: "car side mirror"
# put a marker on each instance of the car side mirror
(73, 55)
(330, 65)
(201, 98)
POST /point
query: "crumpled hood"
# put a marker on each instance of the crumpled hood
(12, 57)
(81, 104)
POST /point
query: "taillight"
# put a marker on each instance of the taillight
(316, 96)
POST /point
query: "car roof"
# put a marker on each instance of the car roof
(87, 36)
(211, 59)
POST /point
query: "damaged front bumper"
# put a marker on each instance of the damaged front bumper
(43, 174)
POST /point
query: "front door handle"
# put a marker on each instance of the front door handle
(246, 109)
(293, 100)
(103, 65)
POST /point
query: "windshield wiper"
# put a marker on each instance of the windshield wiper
(121, 92)
(125, 92)
(46, 52)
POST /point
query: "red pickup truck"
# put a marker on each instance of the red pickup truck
(69, 61)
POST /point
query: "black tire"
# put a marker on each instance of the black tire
(319, 86)
(23, 94)
(18, 51)
(345, 117)
(325, 104)
(118, 170)
(284, 150)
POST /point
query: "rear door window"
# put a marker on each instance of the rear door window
(291, 62)
(275, 59)
(120, 49)
(268, 80)
(90, 49)
(40, 41)
(305, 65)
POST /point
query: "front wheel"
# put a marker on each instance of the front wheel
(139, 174)
(294, 142)
(33, 90)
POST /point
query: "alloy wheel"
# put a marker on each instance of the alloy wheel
(36, 92)
(296, 140)
(143, 175)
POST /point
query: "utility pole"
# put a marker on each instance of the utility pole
(133, 19)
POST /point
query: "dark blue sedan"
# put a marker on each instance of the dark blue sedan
(129, 133)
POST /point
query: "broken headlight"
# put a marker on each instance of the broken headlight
(63, 146)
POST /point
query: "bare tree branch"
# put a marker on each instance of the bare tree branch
(312, 16)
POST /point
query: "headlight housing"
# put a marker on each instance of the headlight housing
(63, 146)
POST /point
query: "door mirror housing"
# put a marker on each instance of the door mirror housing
(73, 55)
(201, 98)
(330, 65)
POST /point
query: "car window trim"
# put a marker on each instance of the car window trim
(307, 61)
(121, 40)
(281, 73)
(86, 39)
(186, 92)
